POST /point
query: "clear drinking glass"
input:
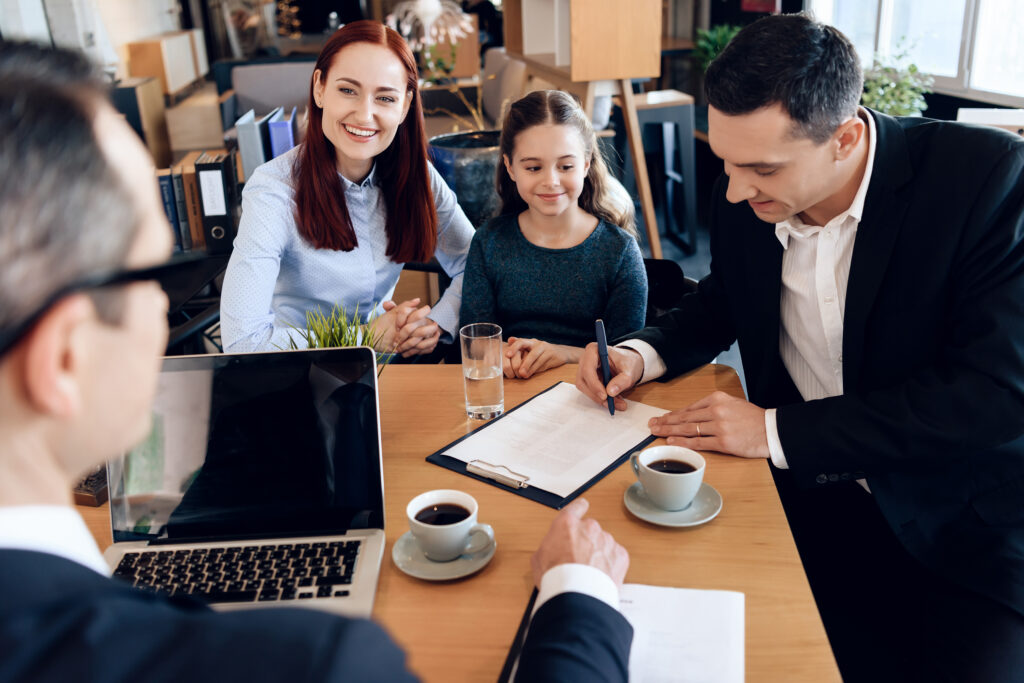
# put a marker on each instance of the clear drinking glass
(481, 370)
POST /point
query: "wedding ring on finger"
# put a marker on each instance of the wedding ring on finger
(698, 429)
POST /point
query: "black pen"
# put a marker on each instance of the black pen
(602, 352)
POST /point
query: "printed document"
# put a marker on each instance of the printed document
(560, 439)
(684, 635)
(680, 635)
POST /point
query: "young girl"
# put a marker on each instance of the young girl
(563, 251)
(333, 220)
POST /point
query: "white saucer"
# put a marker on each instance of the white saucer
(704, 508)
(410, 559)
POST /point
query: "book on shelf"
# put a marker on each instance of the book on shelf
(283, 132)
(163, 177)
(181, 208)
(192, 202)
(254, 139)
(215, 174)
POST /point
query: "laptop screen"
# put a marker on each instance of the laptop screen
(259, 445)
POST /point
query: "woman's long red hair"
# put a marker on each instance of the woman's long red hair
(401, 170)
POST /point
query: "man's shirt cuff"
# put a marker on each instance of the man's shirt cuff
(654, 366)
(774, 444)
(577, 578)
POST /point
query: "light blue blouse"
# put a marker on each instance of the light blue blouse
(274, 276)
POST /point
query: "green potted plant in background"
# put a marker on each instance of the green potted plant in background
(895, 87)
(710, 42)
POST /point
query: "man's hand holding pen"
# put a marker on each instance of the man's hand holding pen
(627, 368)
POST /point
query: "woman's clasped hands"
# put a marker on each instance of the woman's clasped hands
(406, 329)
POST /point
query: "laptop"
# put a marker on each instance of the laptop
(259, 484)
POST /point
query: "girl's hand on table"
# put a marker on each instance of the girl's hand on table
(528, 357)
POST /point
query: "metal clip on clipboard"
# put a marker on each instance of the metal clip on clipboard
(512, 479)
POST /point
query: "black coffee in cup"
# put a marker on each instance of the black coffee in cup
(670, 466)
(442, 513)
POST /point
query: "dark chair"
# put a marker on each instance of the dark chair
(190, 336)
(194, 305)
(666, 285)
(671, 162)
(432, 266)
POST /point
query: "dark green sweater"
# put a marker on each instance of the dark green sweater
(554, 294)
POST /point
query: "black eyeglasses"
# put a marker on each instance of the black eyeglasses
(161, 273)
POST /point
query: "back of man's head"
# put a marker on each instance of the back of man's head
(64, 210)
(809, 68)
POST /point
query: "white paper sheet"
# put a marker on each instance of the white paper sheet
(684, 635)
(559, 439)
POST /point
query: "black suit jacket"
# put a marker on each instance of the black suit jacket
(933, 346)
(60, 621)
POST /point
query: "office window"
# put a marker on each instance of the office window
(931, 30)
(973, 48)
(999, 48)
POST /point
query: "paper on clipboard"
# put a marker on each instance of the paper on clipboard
(560, 439)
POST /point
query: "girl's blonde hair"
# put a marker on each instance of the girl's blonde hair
(603, 196)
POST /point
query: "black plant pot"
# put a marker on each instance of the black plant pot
(467, 162)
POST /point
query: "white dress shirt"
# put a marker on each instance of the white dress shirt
(60, 530)
(815, 269)
(53, 529)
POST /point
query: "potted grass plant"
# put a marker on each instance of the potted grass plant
(337, 329)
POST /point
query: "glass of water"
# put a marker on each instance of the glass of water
(481, 370)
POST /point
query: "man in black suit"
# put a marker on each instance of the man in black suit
(872, 270)
(82, 327)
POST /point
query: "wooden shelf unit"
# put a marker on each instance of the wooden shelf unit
(589, 40)
(177, 59)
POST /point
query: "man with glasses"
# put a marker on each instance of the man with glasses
(83, 244)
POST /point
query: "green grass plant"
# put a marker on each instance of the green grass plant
(337, 329)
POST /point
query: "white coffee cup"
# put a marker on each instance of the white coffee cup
(440, 541)
(668, 490)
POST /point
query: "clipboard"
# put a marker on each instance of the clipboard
(508, 480)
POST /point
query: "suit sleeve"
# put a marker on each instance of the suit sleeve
(971, 398)
(700, 328)
(575, 637)
(131, 638)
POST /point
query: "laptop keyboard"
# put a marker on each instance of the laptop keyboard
(255, 573)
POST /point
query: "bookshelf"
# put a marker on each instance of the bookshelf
(587, 40)
(591, 48)
(176, 58)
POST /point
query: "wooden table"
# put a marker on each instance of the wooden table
(461, 630)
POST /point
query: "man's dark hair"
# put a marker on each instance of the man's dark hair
(65, 212)
(809, 68)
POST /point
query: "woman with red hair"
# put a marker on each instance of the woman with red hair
(332, 221)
